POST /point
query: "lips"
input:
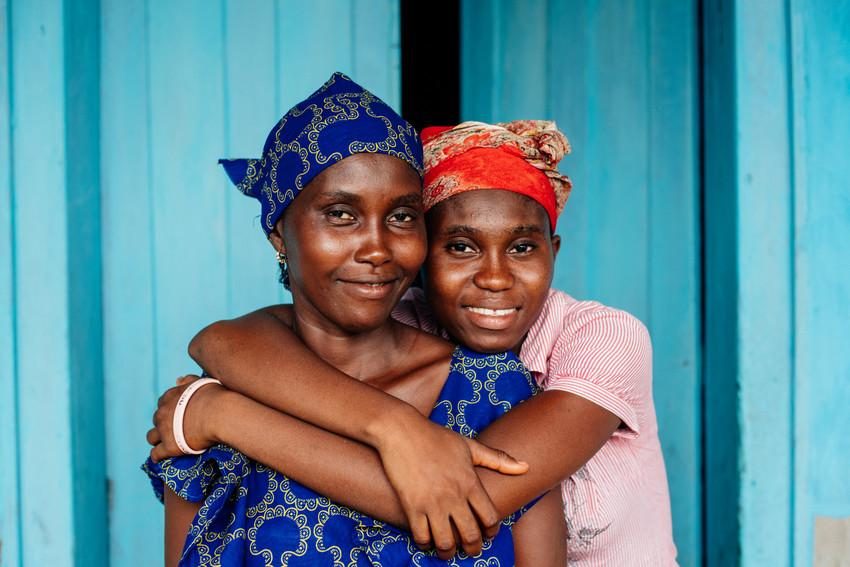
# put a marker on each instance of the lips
(491, 318)
(370, 288)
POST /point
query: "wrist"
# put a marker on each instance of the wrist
(392, 427)
(200, 424)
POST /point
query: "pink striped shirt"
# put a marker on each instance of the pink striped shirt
(617, 505)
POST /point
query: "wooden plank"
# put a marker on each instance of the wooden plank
(674, 277)
(568, 99)
(251, 110)
(821, 73)
(41, 284)
(186, 50)
(10, 552)
(521, 73)
(85, 322)
(54, 143)
(376, 48)
(480, 52)
(764, 194)
(130, 357)
(309, 53)
(722, 545)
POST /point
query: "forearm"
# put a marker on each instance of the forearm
(556, 433)
(178, 518)
(259, 356)
(345, 471)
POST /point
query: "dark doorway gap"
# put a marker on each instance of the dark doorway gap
(430, 62)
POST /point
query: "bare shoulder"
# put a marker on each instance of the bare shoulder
(282, 312)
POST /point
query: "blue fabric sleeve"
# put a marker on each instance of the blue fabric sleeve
(192, 477)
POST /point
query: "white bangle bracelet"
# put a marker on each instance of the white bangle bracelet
(180, 411)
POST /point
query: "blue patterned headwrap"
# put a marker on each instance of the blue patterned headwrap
(338, 120)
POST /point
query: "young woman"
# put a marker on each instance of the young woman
(494, 196)
(342, 207)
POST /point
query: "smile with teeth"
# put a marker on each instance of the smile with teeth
(492, 312)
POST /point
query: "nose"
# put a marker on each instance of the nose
(494, 273)
(374, 247)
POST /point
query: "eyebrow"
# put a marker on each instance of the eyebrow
(409, 200)
(456, 229)
(465, 229)
(527, 229)
(340, 195)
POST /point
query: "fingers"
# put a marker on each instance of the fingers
(420, 530)
(187, 379)
(444, 540)
(153, 437)
(484, 509)
(494, 459)
(468, 531)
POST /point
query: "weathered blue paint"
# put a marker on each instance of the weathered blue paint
(722, 489)
(56, 222)
(621, 81)
(9, 488)
(820, 85)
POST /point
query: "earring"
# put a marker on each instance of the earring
(281, 257)
(284, 268)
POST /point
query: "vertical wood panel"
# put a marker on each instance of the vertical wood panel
(764, 266)
(9, 472)
(620, 80)
(722, 427)
(130, 357)
(188, 208)
(57, 275)
(674, 261)
(251, 110)
(821, 89)
(41, 283)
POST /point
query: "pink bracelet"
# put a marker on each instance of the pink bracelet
(180, 410)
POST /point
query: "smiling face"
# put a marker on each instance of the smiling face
(355, 239)
(490, 264)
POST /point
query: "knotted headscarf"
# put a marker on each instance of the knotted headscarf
(519, 156)
(338, 120)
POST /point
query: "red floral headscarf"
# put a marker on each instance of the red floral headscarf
(519, 156)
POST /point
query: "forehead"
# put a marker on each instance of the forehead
(489, 209)
(368, 169)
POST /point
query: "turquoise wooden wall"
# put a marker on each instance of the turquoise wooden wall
(777, 209)
(710, 170)
(621, 80)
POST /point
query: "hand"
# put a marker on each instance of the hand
(196, 425)
(432, 469)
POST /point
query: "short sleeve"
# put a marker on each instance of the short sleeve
(605, 356)
(193, 477)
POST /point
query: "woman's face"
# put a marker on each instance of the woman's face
(355, 239)
(490, 264)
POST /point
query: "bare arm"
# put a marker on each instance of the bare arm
(259, 356)
(352, 473)
(178, 518)
(540, 536)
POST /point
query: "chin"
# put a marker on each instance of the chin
(488, 345)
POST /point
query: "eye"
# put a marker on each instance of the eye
(523, 248)
(460, 248)
(339, 215)
(403, 217)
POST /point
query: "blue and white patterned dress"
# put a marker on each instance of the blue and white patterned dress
(253, 515)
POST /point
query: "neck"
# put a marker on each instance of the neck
(360, 355)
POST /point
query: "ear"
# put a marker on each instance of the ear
(556, 245)
(276, 238)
